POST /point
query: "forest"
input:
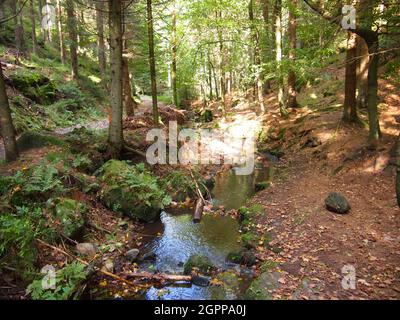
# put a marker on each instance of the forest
(199, 150)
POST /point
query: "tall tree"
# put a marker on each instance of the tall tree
(174, 45)
(33, 22)
(152, 61)
(255, 39)
(18, 28)
(115, 134)
(101, 49)
(292, 94)
(362, 73)
(265, 14)
(73, 37)
(278, 49)
(6, 123)
(350, 102)
(60, 32)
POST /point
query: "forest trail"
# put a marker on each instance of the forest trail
(314, 244)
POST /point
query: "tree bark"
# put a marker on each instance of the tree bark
(292, 93)
(115, 134)
(6, 123)
(152, 61)
(257, 58)
(18, 29)
(129, 102)
(278, 48)
(60, 32)
(265, 13)
(33, 22)
(101, 50)
(350, 102)
(174, 63)
(362, 73)
(73, 35)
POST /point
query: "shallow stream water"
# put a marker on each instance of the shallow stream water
(215, 236)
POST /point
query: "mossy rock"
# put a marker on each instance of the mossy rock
(207, 116)
(230, 286)
(243, 257)
(202, 263)
(35, 86)
(249, 240)
(69, 217)
(132, 191)
(260, 288)
(249, 213)
(32, 140)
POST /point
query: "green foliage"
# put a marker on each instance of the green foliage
(66, 283)
(17, 236)
(180, 185)
(132, 190)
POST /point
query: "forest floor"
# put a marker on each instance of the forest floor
(324, 155)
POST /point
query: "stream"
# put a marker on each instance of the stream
(215, 236)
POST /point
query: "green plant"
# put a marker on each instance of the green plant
(67, 281)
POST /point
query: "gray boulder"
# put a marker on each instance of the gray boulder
(337, 203)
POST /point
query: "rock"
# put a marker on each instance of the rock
(132, 255)
(260, 287)
(70, 217)
(200, 281)
(337, 203)
(149, 256)
(108, 265)
(132, 191)
(202, 263)
(230, 283)
(243, 257)
(86, 249)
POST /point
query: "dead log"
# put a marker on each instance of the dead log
(158, 276)
(199, 211)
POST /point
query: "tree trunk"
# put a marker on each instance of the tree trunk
(18, 29)
(350, 102)
(362, 73)
(152, 62)
(60, 32)
(292, 94)
(73, 35)
(265, 13)
(115, 134)
(373, 116)
(6, 124)
(278, 48)
(33, 22)
(398, 172)
(101, 51)
(221, 64)
(257, 58)
(174, 63)
(129, 102)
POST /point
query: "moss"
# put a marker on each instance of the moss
(202, 263)
(262, 185)
(249, 240)
(242, 256)
(132, 190)
(260, 288)
(31, 140)
(268, 265)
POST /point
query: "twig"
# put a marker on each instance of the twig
(109, 274)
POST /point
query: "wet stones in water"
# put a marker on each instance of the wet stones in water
(337, 203)
(132, 255)
(149, 256)
(202, 263)
(243, 257)
(200, 281)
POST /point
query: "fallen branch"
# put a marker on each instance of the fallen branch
(199, 211)
(132, 150)
(158, 276)
(106, 273)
